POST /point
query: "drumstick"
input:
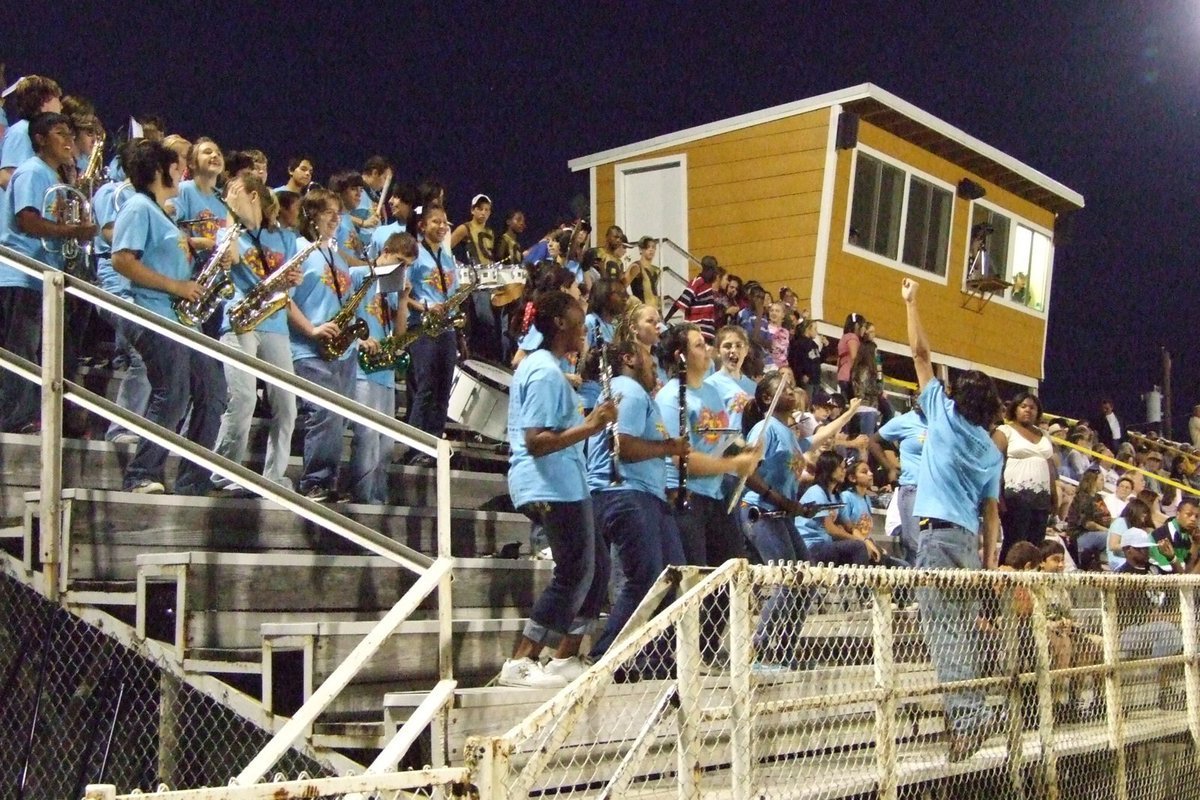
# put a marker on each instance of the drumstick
(737, 492)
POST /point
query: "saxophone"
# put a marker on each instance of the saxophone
(432, 325)
(350, 325)
(213, 280)
(94, 174)
(268, 295)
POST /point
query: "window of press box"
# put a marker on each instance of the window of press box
(1018, 254)
(899, 216)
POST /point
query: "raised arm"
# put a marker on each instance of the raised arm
(916, 334)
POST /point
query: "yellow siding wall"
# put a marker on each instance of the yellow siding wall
(754, 197)
(1000, 336)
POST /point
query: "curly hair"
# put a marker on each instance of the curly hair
(975, 397)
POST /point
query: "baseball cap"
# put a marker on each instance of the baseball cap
(1136, 537)
(822, 398)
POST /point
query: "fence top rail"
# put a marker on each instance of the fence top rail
(194, 340)
(801, 573)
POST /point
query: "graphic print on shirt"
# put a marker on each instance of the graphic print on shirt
(740, 402)
(343, 280)
(376, 308)
(708, 419)
(254, 261)
(207, 225)
(434, 280)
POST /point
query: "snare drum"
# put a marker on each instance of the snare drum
(479, 398)
(487, 278)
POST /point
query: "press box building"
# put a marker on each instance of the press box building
(839, 197)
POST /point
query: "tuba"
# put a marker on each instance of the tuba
(214, 280)
(270, 294)
(66, 205)
(350, 325)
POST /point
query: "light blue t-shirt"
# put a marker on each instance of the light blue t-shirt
(963, 467)
(856, 507)
(736, 394)
(637, 415)
(347, 235)
(426, 281)
(812, 529)
(318, 298)
(909, 430)
(705, 412)
(379, 238)
(18, 147)
(26, 189)
(598, 330)
(145, 230)
(115, 172)
(542, 398)
(783, 461)
(106, 213)
(1117, 526)
(378, 310)
(531, 341)
(276, 245)
(205, 209)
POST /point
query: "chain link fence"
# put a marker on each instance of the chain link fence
(79, 707)
(802, 682)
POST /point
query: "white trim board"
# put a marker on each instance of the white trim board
(862, 91)
(825, 220)
(834, 332)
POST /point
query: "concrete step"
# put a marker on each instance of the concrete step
(108, 530)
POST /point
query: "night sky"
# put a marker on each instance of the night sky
(1100, 96)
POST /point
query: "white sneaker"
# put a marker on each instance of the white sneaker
(525, 673)
(148, 487)
(569, 668)
(126, 437)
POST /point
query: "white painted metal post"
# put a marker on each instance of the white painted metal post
(1112, 690)
(50, 505)
(741, 738)
(883, 634)
(687, 675)
(1016, 704)
(1045, 694)
(440, 725)
(1191, 670)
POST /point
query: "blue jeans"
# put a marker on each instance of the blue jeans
(178, 376)
(134, 392)
(783, 613)
(370, 451)
(571, 604)
(323, 429)
(948, 622)
(433, 363)
(642, 529)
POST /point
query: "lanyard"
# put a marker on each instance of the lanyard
(437, 259)
(262, 253)
(337, 287)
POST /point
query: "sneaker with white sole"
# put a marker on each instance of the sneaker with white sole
(126, 437)
(569, 668)
(149, 487)
(525, 673)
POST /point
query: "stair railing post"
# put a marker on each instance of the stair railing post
(50, 506)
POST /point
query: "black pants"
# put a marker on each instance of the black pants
(21, 334)
(1022, 522)
(710, 537)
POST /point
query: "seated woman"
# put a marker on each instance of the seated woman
(830, 537)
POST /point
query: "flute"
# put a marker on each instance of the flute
(737, 492)
(681, 496)
(614, 439)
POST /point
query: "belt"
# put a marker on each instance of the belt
(933, 523)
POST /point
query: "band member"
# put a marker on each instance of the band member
(474, 241)
(710, 535)
(300, 175)
(605, 307)
(260, 250)
(508, 247)
(396, 209)
(960, 476)
(33, 95)
(735, 389)
(324, 286)
(154, 129)
(26, 227)
(371, 451)
(133, 393)
(547, 482)
(348, 187)
(632, 515)
(434, 280)
(198, 207)
(376, 175)
(288, 213)
(149, 250)
(607, 258)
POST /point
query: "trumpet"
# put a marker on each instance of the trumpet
(270, 294)
(66, 205)
(214, 282)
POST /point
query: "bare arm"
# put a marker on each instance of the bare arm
(5, 177)
(634, 449)
(827, 432)
(922, 360)
(33, 223)
(128, 265)
(991, 533)
(544, 441)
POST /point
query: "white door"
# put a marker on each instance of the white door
(651, 200)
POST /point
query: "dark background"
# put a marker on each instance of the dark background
(1100, 96)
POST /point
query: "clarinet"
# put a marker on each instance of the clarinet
(610, 429)
(681, 496)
